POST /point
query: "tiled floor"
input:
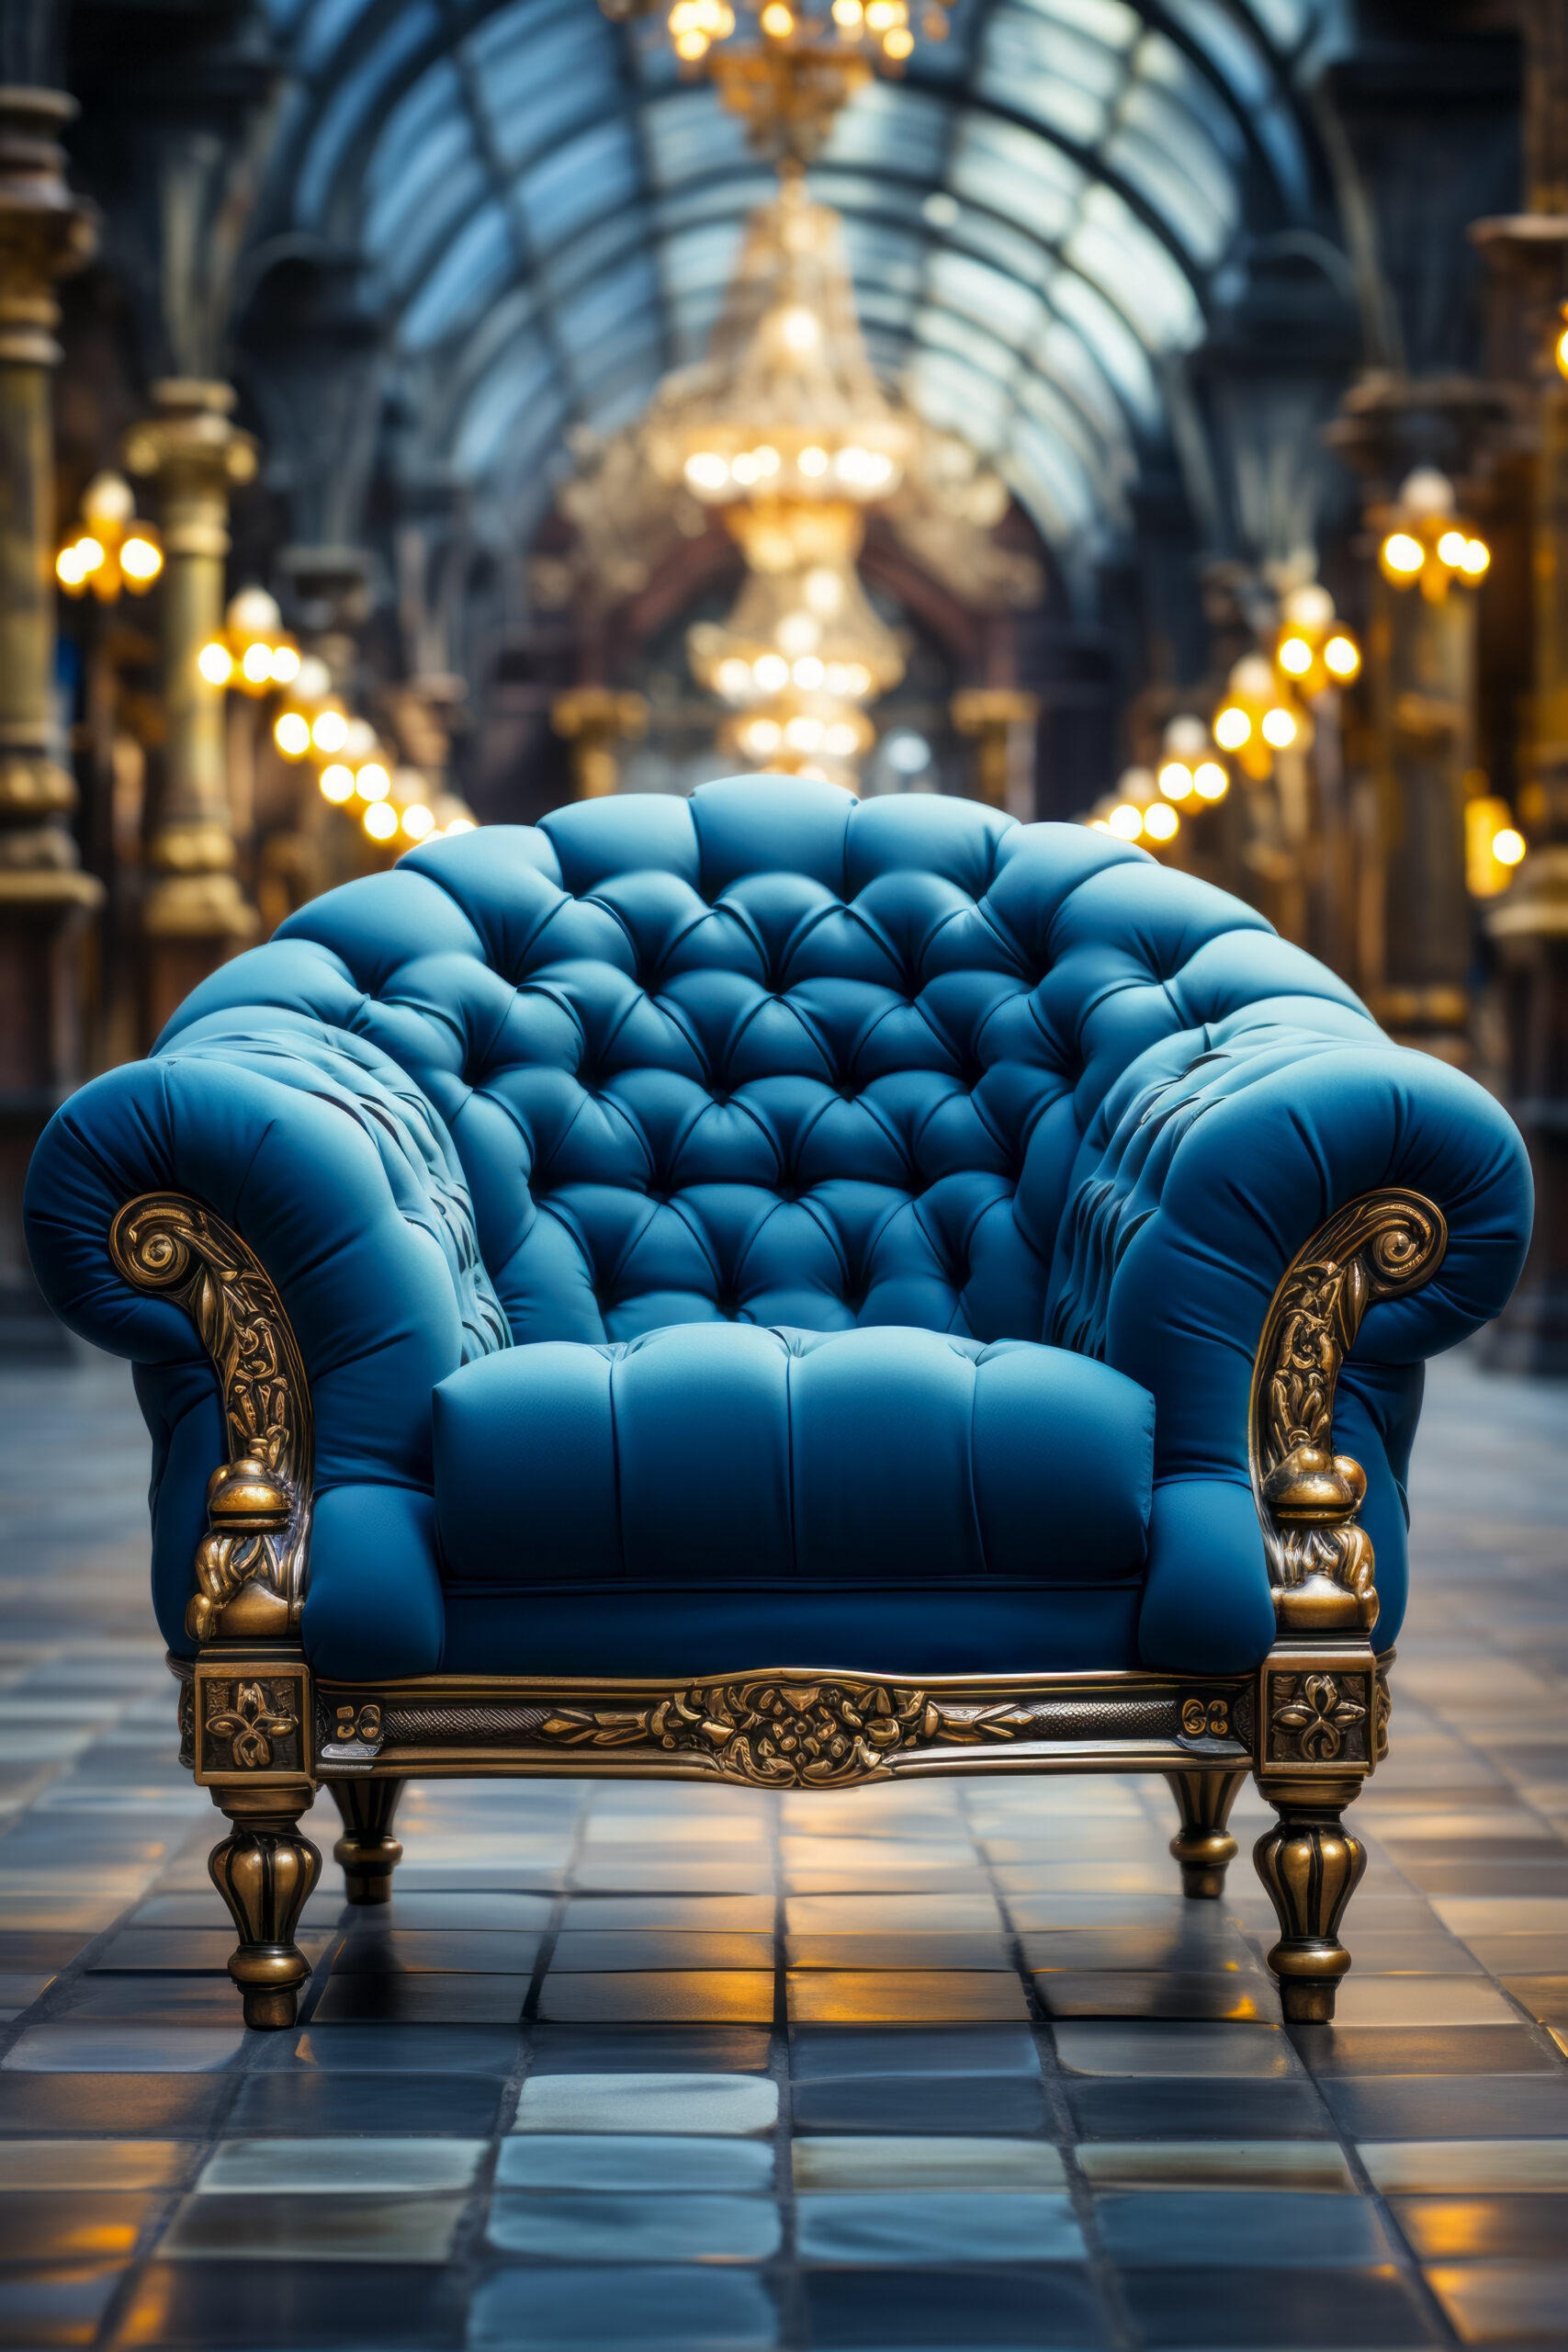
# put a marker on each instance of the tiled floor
(948, 2065)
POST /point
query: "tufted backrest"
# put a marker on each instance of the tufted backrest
(767, 1053)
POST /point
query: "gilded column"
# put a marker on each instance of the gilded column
(195, 914)
(44, 896)
(1528, 254)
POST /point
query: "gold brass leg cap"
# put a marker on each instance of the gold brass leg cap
(1203, 1855)
(367, 1866)
(1305, 2003)
(270, 2012)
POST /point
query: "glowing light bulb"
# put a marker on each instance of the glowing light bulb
(800, 329)
(777, 21)
(848, 15)
(807, 673)
(1279, 728)
(1561, 351)
(1452, 547)
(89, 554)
(461, 825)
(1294, 657)
(1342, 657)
(1232, 728)
(140, 561)
(1161, 822)
(1508, 845)
(284, 665)
(372, 782)
(1475, 560)
(733, 679)
(329, 731)
(216, 664)
(1402, 554)
(840, 739)
(291, 733)
(1126, 822)
(68, 568)
(379, 821)
(771, 672)
(418, 822)
(257, 665)
(1176, 779)
(337, 783)
(898, 43)
(803, 733)
(1210, 781)
(813, 462)
(762, 736)
(706, 470)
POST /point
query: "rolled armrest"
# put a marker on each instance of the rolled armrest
(325, 1160)
(1213, 1162)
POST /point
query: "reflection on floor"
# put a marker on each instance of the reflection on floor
(946, 2065)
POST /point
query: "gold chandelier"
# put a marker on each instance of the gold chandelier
(785, 407)
(785, 72)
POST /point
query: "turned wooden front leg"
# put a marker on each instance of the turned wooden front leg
(1203, 1845)
(265, 1871)
(1311, 1864)
(367, 1851)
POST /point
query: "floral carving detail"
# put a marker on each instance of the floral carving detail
(252, 1559)
(1383, 1710)
(780, 1734)
(251, 1727)
(1315, 1715)
(1206, 1718)
(1320, 1559)
(362, 1723)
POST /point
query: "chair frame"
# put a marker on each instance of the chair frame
(265, 1733)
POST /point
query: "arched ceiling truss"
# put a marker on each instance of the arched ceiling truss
(1036, 216)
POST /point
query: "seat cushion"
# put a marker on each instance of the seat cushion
(724, 1455)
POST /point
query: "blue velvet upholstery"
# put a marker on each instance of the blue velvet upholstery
(773, 1058)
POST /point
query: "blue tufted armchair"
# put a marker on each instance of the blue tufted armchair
(776, 1289)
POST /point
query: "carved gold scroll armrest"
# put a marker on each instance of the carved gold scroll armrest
(250, 1563)
(1320, 1560)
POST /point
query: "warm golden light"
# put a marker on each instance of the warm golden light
(337, 783)
(706, 470)
(800, 329)
(329, 731)
(418, 822)
(813, 462)
(216, 664)
(460, 825)
(1342, 657)
(1402, 554)
(372, 782)
(379, 821)
(1476, 559)
(898, 43)
(771, 672)
(1451, 547)
(140, 561)
(1294, 656)
(291, 733)
(848, 15)
(1161, 822)
(1508, 845)
(1176, 780)
(1126, 822)
(1232, 728)
(256, 665)
(284, 665)
(1210, 781)
(776, 20)
(1279, 728)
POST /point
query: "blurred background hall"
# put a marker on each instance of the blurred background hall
(1151, 414)
(417, 413)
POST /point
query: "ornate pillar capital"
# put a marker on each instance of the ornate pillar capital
(46, 232)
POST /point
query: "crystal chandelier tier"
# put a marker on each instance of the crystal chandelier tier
(785, 407)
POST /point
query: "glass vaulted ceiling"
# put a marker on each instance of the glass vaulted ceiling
(1035, 215)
